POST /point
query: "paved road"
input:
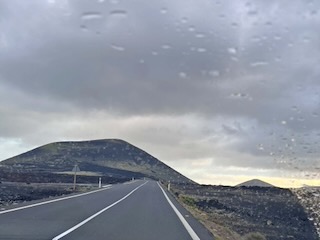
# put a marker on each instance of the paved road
(140, 210)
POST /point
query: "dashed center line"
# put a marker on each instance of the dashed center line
(96, 214)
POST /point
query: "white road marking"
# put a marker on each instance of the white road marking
(96, 214)
(132, 181)
(192, 233)
(51, 201)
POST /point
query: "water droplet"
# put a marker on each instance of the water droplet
(256, 39)
(277, 37)
(268, 23)
(283, 122)
(278, 59)
(191, 29)
(235, 59)
(184, 20)
(120, 13)
(114, 1)
(154, 53)
(166, 46)
(83, 27)
(314, 12)
(214, 73)
(294, 108)
(200, 35)
(260, 147)
(306, 40)
(259, 64)
(164, 11)
(234, 24)
(252, 12)
(118, 48)
(293, 140)
(314, 114)
(182, 75)
(239, 95)
(201, 50)
(91, 15)
(232, 50)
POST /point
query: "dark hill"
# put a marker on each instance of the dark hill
(112, 158)
(254, 183)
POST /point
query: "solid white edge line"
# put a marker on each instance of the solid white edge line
(191, 232)
(96, 214)
(51, 201)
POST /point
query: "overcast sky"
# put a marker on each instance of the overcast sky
(220, 90)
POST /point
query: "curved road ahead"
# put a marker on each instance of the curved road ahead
(139, 210)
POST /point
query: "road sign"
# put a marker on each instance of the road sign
(76, 168)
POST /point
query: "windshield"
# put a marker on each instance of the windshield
(221, 91)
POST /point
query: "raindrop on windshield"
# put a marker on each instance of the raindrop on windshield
(252, 12)
(200, 35)
(184, 20)
(268, 23)
(258, 64)
(214, 73)
(114, 1)
(232, 50)
(191, 29)
(120, 13)
(91, 15)
(118, 48)
(234, 24)
(182, 75)
(201, 50)
(166, 46)
(164, 10)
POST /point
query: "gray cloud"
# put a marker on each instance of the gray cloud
(241, 77)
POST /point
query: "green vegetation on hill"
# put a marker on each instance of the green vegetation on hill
(112, 157)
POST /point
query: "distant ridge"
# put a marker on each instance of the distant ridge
(111, 157)
(254, 183)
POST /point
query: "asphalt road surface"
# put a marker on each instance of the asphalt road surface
(139, 210)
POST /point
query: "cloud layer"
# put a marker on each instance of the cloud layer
(207, 88)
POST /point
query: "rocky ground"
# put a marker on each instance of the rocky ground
(248, 212)
(14, 193)
(230, 213)
(309, 197)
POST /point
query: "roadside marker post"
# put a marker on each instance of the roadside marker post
(75, 170)
(99, 182)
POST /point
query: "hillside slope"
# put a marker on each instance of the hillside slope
(111, 157)
(254, 183)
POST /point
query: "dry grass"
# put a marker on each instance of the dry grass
(209, 221)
